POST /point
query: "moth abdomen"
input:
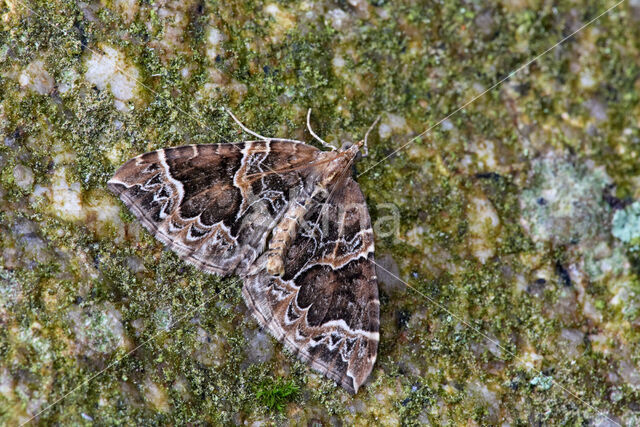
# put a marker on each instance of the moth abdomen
(283, 235)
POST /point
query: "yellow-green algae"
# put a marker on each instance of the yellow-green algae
(83, 284)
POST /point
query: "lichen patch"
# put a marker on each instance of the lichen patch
(483, 227)
(65, 197)
(36, 77)
(111, 70)
(284, 20)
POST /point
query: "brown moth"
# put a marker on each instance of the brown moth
(289, 220)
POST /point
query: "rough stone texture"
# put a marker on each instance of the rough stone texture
(517, 216)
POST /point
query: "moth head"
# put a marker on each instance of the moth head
(351, 149)
(347, 145)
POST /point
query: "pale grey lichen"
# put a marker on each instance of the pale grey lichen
(10, 291)
(626, 223)
(542, 382)
(563, 203)
(97, 329)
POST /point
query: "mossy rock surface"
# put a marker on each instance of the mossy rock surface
(511, 222)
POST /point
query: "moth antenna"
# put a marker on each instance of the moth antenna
(244, 128)
(365, 148)
(322, 141)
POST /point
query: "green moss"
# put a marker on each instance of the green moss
(275, 394)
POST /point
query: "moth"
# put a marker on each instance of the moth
(288, 219)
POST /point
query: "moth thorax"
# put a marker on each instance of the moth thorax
(337, 167)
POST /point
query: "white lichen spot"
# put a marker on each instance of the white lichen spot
(117, 152)
(486, 397)
(338, 19)
(383, 13)
(11, 291)
(210, 352)
(569, 342)
(436, 259)
(384, 411)
(521, 283)
(215, 38)
(66, 199)
(127, 8)
(104, 210)
(600, 343)
(492, 344)
(69, 79)
(530, 360)
(110, 70)
(156, 395)
(630, 373)
(98, 329)
(220, 83)
(38, 193)
(447, 125)
(361, 5)
(284, 21)
(138, 326)
(483, 225)
(181, 386)
(104, 216)
(485, 155)
(23, 177)
(590, 311)
(586, 80)
(597, 109)
(7, 384)
(622, 292)
(626, 223)
(414, 236)
(357, 406)
(259, 347)
(564, 201)
(390, 124)
(37, 78)
(186, 72)
(32, 337)
(173, 16)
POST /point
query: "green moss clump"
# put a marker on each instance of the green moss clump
(276, 394)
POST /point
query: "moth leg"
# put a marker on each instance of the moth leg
(322, 141)
(244, 128)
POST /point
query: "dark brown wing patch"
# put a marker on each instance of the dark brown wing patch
(205, 201)
(325, 307)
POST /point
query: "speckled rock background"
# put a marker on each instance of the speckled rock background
(519, 216)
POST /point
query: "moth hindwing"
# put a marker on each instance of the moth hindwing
(287, 219)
